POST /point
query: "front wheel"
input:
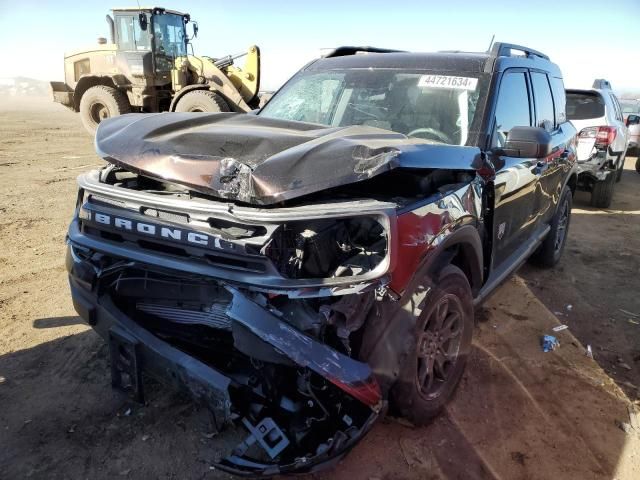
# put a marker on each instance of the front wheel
(202, 101)
(439, 349)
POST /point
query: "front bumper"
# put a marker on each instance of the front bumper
(155, 357)
(150, 355)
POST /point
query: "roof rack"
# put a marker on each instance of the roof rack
(602, 84)
(500, 49)
(345, 51)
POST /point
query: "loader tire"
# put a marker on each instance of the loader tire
(101, 102)
(202, 101)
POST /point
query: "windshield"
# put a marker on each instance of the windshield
(168, 39)
(130, 36)
(419, 104)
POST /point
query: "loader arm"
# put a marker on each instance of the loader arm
(247, 79)
(238, 85)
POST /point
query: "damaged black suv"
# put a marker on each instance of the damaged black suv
(305, 269)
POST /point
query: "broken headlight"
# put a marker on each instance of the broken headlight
(328, 248)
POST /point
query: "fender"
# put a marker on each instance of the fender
(183, 91)
(425, 231)
(390, 322)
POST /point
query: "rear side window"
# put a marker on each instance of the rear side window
(616, 106)
(584, 106)
(512, 109)
(559, 99)
(545, 117)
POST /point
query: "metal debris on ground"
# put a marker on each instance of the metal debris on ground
(559, 328)
(569, 307)
(549, 343)
(626, 312)
(2, 380)
(589, 352)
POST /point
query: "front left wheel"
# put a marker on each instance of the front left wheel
(202, 101)
(439, 348)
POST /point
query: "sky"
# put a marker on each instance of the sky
(587, 39)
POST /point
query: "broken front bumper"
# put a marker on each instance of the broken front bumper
(136, 351)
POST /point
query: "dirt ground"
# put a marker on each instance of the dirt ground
(519, 413)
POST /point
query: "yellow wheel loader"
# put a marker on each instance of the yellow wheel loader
(146, 67)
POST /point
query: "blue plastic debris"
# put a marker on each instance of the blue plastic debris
(549, 343)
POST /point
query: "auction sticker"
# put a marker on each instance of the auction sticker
(446, 81)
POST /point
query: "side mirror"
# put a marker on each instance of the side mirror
(632, 120)
(143, 21)
(195, 29)
(527, 142)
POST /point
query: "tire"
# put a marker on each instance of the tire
(101, 102)
(425, 384)
(602, 192)
(550, 250)
(202, 101)
(638, 165)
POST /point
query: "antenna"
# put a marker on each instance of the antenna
(493, 37)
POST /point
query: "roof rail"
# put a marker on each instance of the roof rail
(500, 49)
(601, 84)
(345, 51)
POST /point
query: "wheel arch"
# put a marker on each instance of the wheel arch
(572, 182)
(384, 341)
(183, 91)
(462, 248)
(85, 83)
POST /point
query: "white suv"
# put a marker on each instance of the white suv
(602, 139)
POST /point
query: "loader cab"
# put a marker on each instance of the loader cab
(148, 43)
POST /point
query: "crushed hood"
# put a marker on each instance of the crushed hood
(260, 160)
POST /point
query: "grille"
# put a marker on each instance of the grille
(165, 215)
(100, 200)
(214, 317)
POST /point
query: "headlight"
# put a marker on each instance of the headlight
(328, 248)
